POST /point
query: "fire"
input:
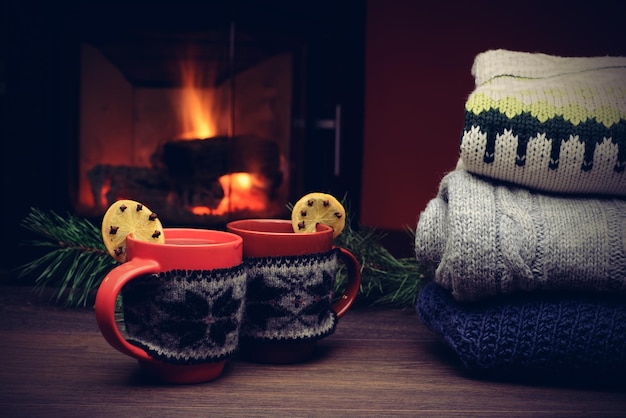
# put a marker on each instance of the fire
(196, 104)
(106, 188)
(242, 192)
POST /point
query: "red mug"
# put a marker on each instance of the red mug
(182, 300)
(290, 302)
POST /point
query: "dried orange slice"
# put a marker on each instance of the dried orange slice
(315, 208)
(129, 217)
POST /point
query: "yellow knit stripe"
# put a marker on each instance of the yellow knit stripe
(543, 110)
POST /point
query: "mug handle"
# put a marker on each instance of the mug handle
(106, 299)
(351, 291)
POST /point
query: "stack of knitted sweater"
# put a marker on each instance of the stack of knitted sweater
(526, 238)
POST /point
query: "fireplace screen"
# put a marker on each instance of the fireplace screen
(185, 125)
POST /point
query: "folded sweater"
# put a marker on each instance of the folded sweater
(530, 333)
(485, 238)
(550, 123)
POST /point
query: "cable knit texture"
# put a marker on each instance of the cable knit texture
(484, 238)
(186, 316)
(555, 124)
(530, 333)
(289, 298)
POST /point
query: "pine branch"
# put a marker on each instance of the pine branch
(76, 261)
(385, 279)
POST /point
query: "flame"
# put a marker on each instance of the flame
(242, 191)
(201, 116)
(201, 210)
(196, 104)
(106, 188)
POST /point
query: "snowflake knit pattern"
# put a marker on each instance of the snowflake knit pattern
(555, 124)
(565, 332)
(289, 298)
(485, 238)
(186, 316)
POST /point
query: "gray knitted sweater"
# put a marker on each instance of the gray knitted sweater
(485, 238)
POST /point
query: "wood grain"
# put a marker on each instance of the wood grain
(379, 362)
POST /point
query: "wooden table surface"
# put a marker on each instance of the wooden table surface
(379, 362)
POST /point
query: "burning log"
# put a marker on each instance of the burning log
(109, 183)
(193, 163)
(213, 157)
(186, 173)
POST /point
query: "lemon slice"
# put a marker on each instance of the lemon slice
(316, 208)
(129, 217)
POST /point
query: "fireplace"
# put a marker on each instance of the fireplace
(199, 141)
(194, 121)
(217, 112)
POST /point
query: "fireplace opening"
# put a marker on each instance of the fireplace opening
(179, 122)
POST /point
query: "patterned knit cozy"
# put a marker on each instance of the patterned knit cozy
(289, 298)
(551, 123)
(186, 316)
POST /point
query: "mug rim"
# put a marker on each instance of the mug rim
(221, 238)
(240, 225)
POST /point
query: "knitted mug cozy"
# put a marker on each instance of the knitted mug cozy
(186, 316)
(289, 298)
(551, 123)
